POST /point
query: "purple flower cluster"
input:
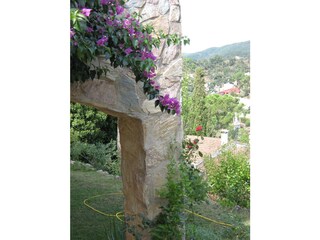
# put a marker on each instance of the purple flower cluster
(72, 33)
(89, 29)
(128, 51)
(117, 19)
(102, 41)
(170, 103)
(127, 23)
(119, 9)
(147, 54)
(86, 11)
(155, 85)
(150, 74)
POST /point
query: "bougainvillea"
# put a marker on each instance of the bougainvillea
(106, 28)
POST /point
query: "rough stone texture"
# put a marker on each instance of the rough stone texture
(175, 27)
(170, 53)
(172, 2)
(149, 11)
(153, 1)
(175, 13)
(160, 23)
(135, 3)
(164, 6)
(145, 132)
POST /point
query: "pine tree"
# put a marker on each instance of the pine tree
(197, 106)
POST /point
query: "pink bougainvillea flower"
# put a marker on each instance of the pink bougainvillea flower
(147, 54)
(131, 31)
(149, 74)
(128, 51)
(102, 41)
(199, 128)
(126, 23)
(119, 9)
(89, 30)
(109, 22)
(170, 103)
(72, 33)
(86, 11)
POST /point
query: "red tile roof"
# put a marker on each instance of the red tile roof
(230, 90)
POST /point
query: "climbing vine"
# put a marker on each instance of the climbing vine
(105, 28)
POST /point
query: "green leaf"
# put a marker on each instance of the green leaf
(156, 103)
(115, 40)
(200, 154)
(135, 43)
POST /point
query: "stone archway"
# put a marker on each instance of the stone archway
(145, 132)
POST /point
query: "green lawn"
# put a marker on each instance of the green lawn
(89, 225)
(85, 223)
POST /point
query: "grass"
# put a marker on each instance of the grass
(87, 224)
(206, 230)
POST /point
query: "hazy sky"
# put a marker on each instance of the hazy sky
(214, 23)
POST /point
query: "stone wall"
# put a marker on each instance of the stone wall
(145, 132)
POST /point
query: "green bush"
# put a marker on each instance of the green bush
(247, 122)
(229, 178)
(244, 136)
(185, 187)
(100, 156)
(89, 125)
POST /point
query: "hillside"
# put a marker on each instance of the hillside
(241, 49)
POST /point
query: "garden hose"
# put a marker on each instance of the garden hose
(209, 219)
(118, 215)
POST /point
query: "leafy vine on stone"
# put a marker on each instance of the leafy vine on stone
(106, 28)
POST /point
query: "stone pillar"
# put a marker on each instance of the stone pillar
(145, 132)
(144, 149)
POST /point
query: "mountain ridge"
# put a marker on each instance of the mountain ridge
(241, 49)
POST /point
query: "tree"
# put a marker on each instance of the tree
(197, 105)
(89, 125)
(243, 82)
(219, 114)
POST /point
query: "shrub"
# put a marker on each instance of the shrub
(244, 136)
(185, 187)
(229, 178)
(100, 156)
(247, 122)
(89, 125)
(79, 166)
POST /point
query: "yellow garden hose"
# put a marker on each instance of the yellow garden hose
(118, 215)
(209, 219)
